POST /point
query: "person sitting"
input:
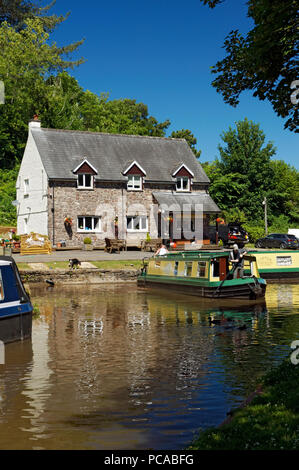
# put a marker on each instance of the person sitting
(162, 250)
(237, 259)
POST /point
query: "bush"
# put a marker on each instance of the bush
(254, 232)
(87, 241)
(279, 224)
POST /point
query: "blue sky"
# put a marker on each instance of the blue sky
(160, 53)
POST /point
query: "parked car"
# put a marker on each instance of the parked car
(278, 240)
(230, 234)
(236, 234)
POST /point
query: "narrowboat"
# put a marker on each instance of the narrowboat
(205, 274)
(15, 305)
(277, 265)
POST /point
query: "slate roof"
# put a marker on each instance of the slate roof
(179, 200)
(62, 151)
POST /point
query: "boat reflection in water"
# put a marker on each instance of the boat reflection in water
(205, 311)
(120, 367)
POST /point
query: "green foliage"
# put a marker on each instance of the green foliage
(269, 422)
(284, 194)
(279, 224)
(255, 231)
(264, 61)
(245, 174)
(7, 195)
(36, 311)
(17, 13)
(87, 241)
(234, 215)
(189, 137)
(26, 61)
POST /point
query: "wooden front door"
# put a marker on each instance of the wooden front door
(222, 269)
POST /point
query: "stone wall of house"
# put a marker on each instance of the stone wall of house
(106, 201)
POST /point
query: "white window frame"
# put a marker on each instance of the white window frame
(84, 181)
(26, 186)
(179, 184)
(137, 182)
(132, 227)
(92, 217)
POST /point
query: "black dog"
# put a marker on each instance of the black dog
(74, 263)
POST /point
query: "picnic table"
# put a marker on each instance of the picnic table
(114, 245)
(151, 245)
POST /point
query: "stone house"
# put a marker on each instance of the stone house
(108, 185)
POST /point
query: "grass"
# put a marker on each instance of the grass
(121, 264)
(269, 422)
(23, 266)
(58, 265)
(113, 264)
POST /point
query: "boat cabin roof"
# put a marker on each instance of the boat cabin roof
(196, 255)
(6, 260)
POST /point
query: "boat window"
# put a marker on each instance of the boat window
(176, 268)
(201, 269)
(188, 268)
(1, 288)
(215, 265)
(283, 260)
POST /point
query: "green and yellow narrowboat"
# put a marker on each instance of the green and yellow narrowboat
(277, 265)
(205, 274)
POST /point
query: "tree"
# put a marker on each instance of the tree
(284, 197)
(265, 60)
(26, 62)
(17, 12)
(7, 195)
(123, 116)
(243, 175)
(189, 137)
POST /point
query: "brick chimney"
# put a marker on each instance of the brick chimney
(35, 123)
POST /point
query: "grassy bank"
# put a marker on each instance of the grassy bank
(113, 264)
(269, 422)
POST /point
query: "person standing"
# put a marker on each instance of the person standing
(237, 259)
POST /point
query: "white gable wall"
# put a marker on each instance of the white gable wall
(32, 187)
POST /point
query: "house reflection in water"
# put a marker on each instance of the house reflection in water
(120, 368)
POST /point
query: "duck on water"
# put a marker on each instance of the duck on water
(15, 305)
(208, 274)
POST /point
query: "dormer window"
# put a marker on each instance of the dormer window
(183, 183)
(183, 177)
(135, 174)
(85, 181)
(134, 183)
(85, 175)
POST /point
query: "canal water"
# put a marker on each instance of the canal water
(119, 367)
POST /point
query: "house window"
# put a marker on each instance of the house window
(138, 223)
(183, 183)
(134, 183)
(25, 225)
(1, 288)
(26, 187)
(89, 224)
(85, 181)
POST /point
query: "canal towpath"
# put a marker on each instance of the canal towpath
(81, 255)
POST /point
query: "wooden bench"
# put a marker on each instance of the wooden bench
(151, 245)
(114, 245)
